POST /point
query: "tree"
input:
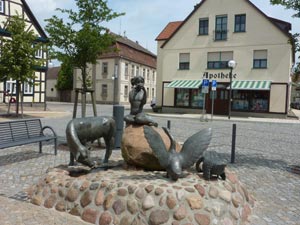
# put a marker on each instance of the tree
(17, 58)
(81, 38)
(289, 4)
(65, 76)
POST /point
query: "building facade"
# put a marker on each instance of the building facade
(35, 93)
(113, 71)
(201, 46)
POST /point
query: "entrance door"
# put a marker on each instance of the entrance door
(221, 100)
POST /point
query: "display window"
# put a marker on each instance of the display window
(253, 101)
(191, 98)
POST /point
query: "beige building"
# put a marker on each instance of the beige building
(112, 73)
(32, 93)
(200, 47)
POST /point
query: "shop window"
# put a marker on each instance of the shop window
(260, 59)
(218, 60)
(251, 101)
(240, 23)
(192, 98)
(184, 61)
(2, 6)
(221, 28)
(203, 26)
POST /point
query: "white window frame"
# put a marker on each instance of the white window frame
(2, 6)
(9, 85)
(39, 53)
(28, 89)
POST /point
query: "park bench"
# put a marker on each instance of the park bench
(22, 132)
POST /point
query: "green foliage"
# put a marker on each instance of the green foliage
(289, 4)
(81, 38)
(65, 77)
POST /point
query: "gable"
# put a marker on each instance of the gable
(21, 7)
(211, 8)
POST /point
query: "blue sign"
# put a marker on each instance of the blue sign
(205, 83)
(213, 85)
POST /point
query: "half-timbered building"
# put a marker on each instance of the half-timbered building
(35, 93)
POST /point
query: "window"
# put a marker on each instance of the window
(260, 60)
(28, 88)
(203, 26)
(126, 71)
(148, 75)
(132, 70)
(144, 73)
(240, 23)
(221, 28)
(126, 91)
(218, 60)
(184, 61)
(11, 86)
(189, 98)
(2, 6)
(104, 68)
(153, 76)
(104, 90)
(39, 53)
(137, 71)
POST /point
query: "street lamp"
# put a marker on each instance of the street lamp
(231, 65)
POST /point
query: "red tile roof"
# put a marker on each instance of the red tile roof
(52, 73)
(131, 51)
(168, 31)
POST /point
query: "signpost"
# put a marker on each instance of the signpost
(204, 90)
(214, 89)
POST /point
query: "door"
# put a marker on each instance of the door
(221, 100)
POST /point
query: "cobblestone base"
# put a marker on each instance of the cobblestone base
(119, 196)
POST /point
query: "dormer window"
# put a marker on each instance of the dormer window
(2, 6)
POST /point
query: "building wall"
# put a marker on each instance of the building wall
(260, 34)
(119, 87)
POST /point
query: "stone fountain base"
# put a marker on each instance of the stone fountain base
(123, 196)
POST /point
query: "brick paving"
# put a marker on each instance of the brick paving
(265, 150)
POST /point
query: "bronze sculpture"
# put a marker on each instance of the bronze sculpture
(82, 130)
(137, 100)
(175, 162)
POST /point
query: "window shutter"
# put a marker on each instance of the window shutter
(260, 54)
(184, 57)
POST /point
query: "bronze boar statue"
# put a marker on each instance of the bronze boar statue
(79, 131)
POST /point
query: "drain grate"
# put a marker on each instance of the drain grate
(294, 169)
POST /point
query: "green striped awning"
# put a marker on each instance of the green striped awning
(251, 84)
(193, 84)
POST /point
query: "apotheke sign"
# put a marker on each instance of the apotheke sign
(221, 75)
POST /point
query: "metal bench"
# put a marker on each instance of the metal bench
(22, 132)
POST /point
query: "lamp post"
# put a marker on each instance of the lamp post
(231, 65)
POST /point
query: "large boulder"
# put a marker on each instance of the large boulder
(136, 150)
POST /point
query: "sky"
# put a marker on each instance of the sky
(144, 19)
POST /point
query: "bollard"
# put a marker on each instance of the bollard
(118, 114)
(233, 143)
(169, 124)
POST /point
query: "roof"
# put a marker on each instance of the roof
(168, 32)
(34, 20)
(52, 73)
(131, 51)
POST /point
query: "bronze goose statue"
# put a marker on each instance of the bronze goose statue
(175, 162)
